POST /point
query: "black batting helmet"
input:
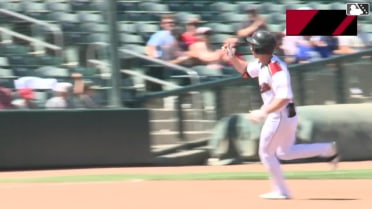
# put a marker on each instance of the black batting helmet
(263, 42)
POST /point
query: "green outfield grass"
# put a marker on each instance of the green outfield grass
(338, 174)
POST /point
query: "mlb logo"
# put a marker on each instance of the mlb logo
(357, 9)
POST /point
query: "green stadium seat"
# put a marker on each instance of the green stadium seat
(53, 72)
(179, 6)
(153, 7)
(142, 16)
(6, 73)
(131, 39)
(81, 5)
(277, 18)
(367, 28)
(22, 60)
(146, 30)
(242, 6)
(94, 27)
(127, 27)
(135, 47)
(319, 5)
(224, 7)
(182, 17)
(50, 60)
(231, 17)
(221, 28)
(4, 62)
(98, 37)
(13, 6)
(13, 49)
(127, 5)
(69, 22)
(90, 17)
(58, 7)
(276, 27)
(200, 6)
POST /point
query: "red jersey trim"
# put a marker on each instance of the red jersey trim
(274, 68)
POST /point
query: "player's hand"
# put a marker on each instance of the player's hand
(228, 51)
(257, 116)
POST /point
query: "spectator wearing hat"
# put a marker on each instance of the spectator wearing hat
(189, 36)
(253, 23)
(26, 99)
(61, 98)
(202, 50)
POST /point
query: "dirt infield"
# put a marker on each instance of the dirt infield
(183, 194)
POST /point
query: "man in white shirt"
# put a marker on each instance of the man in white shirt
(278, 134)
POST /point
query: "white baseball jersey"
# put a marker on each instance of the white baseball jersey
(274, 79)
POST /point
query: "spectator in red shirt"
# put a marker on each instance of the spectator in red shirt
(189, 37)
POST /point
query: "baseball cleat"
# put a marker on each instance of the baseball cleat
(275, 196)
(335, 158)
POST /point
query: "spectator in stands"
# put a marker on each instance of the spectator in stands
(83, 92)
(189, 36)
(306, 52)
(26, 99)
(324, 45)
(252, 24)
(5, 99)
(349, 45)
(162, 38)
(61, 99)
(176, 52)
(202, 51)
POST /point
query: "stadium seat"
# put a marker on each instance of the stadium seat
(221, 28)
(58, 7)
(127, 5)
(90, 17)
(94, 27)
(231, 17)
(50, 60)
(200, 6)
(146, 30)
(277, 18)
(338, 6)
(14, 49)
(276, 27)
(6, 73)
(98, 37)
(53, 72)
(153, 7)
(13, 6)
(179, 6)
(4, 62)
(69, 22)
(131, 39)
(22, 60)
(224, 7)
(138, 16)
(319, 5)
(127, 27)
(135, 47)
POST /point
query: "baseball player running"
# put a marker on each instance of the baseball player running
(278, 134)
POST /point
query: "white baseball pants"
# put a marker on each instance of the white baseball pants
(277, 141)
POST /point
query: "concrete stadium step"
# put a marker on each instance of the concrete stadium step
(189, 125)
(172, 137)
(182, 158)
(189, 114)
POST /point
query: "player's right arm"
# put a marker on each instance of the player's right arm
(239, 65)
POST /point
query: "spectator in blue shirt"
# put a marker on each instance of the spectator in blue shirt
(162, 38)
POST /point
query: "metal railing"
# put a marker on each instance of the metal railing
(57, 32)
(193, 75)
(30, 39)
(134, 73)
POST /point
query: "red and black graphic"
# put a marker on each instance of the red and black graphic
(320, 23)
